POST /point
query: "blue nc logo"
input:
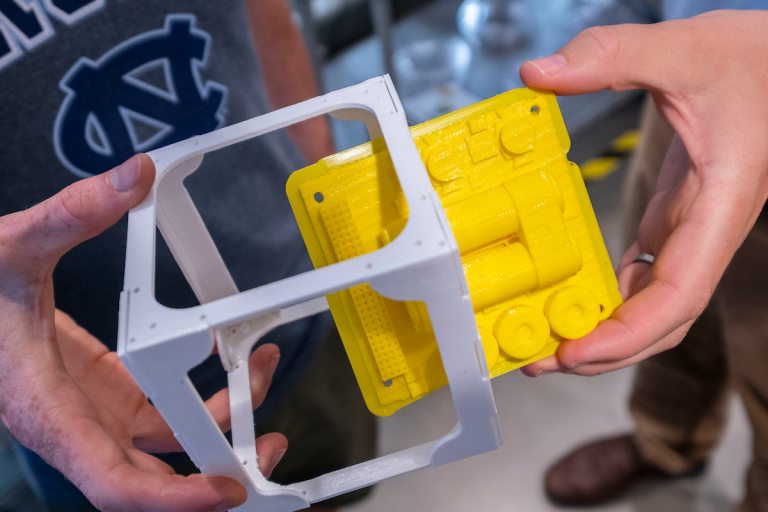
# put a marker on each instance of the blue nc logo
(143, 94)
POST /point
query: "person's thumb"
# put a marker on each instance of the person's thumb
(44, 232)
(618, 57)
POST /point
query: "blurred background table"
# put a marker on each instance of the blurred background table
(446, 54)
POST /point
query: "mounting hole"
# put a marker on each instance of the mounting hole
(152, 325)
(135, 290)
(132, 340)
(418, 242)
(203, 317)
(602, 308)
(319, 197)
(387, 383)
(535, 110)
(369, 265)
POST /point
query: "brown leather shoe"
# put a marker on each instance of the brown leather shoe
(600, 471)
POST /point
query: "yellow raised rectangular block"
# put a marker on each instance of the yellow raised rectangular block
(534, 260)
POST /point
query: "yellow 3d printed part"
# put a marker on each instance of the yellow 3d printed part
(534, 260)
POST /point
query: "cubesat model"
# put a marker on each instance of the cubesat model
(449, 253)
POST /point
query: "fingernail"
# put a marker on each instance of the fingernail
(550, 65)
(530, 372)
(125, 175)
(273, 363)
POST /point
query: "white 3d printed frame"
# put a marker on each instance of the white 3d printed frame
(160, 345)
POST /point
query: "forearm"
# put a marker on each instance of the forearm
(287, 71)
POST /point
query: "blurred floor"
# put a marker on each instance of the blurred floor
(541, 419)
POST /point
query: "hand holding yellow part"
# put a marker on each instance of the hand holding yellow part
(534, 260)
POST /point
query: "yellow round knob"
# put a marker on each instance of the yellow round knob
(490, 347)
(573, 312)
(444, 165)
(518, 137)
(522, 332)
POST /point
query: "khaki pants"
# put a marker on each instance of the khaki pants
(679, 397)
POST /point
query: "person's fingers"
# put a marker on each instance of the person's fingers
(100, 463)
(153, 433)
(43, 233)
(271, 448)
(553, 364)
(617, 57)
(598, 368)
(91, 458)
(633, 277)
(146, 483)
(630, 330)
(148, 462)
(684, 275)
(78, 348)
(126, 487)
(694, 234)
(543, 366)
(660, 299)
(629, 256)
(657, 317)
(262, 365)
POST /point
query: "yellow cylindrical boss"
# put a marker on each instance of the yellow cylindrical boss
(498, 274)
(482, 219)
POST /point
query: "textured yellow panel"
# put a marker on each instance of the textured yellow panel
(533, 256)
(339, 224)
